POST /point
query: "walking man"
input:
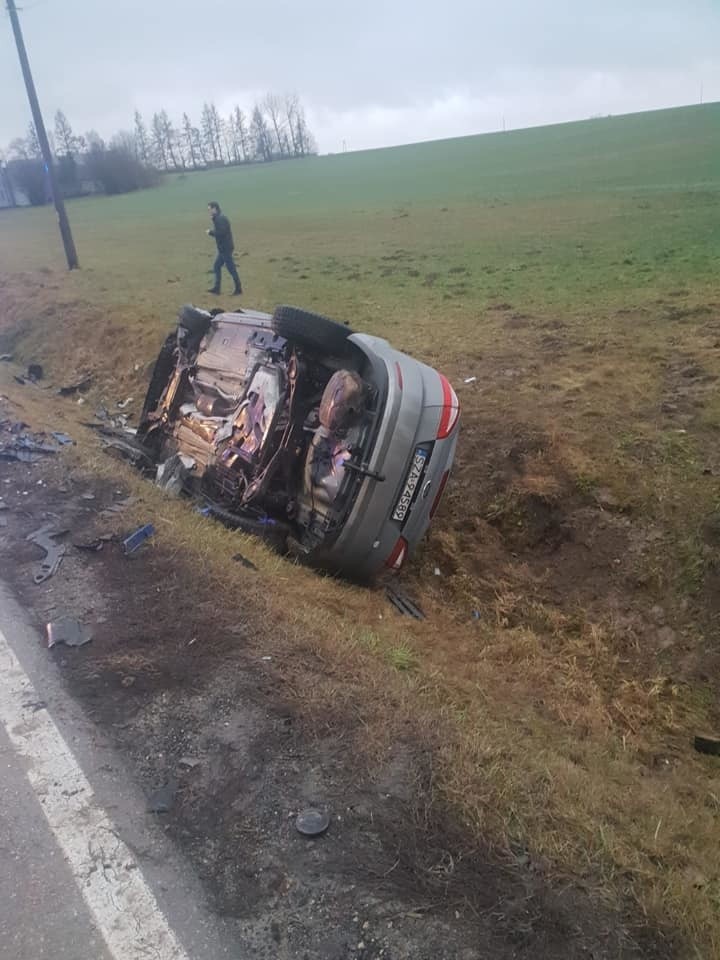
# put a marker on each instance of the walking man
(222, 232)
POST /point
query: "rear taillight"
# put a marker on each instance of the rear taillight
(398, 371)
(450, 410)
(439, 494)
(398, 556)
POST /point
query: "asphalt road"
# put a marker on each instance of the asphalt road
(87, 873)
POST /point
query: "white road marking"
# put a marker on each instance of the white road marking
(105, 870)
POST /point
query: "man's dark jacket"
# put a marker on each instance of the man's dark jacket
(223, 234)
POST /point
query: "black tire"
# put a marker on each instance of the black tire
(164, 366)
(311, 330)
(195, 321)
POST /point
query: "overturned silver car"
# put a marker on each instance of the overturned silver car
(291, 423)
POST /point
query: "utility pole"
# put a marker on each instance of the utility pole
(63, 222)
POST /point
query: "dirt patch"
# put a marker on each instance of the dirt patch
(179, 671)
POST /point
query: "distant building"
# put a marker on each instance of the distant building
(10, 194)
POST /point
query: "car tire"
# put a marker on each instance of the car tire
(164, 366)
(311, 330)
(194, 320)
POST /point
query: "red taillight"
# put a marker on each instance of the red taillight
(450, 410)
(399, 555)
(440, 492)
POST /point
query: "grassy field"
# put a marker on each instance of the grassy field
(572, 646)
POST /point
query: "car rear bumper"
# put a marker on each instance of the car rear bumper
(410, 421)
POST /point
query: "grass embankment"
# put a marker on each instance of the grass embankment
(572, 270)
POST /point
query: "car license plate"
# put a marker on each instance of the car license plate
(411, 484)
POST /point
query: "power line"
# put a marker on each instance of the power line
(63, 222)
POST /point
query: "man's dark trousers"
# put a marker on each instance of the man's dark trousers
(225, 259)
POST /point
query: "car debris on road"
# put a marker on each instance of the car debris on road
(69, 632)
(137, 538)
(44, 537)
(162, 800)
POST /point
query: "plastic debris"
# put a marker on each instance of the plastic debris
(312, 823)
(123, 403)
(239, 558)
(137, 538)
(404, 605)
(469, 379)
(6, 356)
(173, 473)
(62, 438)
(162, 800)
(87, 495)
(54, 552)
(69, 632)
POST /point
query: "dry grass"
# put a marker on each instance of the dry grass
(559, 717)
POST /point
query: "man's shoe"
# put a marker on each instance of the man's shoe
(215, 290)
(237, 292)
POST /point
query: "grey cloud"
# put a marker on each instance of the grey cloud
(99, 60)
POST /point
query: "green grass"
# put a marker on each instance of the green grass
(573, 271)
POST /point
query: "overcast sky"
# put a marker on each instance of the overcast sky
(370, 73)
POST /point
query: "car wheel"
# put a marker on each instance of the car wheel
(311, 330)
(164, 366)
(194, 320)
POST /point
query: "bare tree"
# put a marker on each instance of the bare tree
(230, 140)
(188, 139)
(158, 140)
(141, 139)
(94, 140)
(260, 134)
(292, 105)
(207, 128)
(217, 130)
(170, 138)
(18, 149)
(241, 133)
(33, 144)
(304, 139)
(199, 145)
(274, 109)
(68, 144)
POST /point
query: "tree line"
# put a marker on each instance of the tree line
(275, 129)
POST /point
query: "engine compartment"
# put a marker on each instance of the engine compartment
(265, 427)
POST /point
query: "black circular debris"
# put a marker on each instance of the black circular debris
(312, 823)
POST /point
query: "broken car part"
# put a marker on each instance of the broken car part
(172, 475)
(404, 605)
(54, 552)
(162, 800)
(69, 632)
(137, 538)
